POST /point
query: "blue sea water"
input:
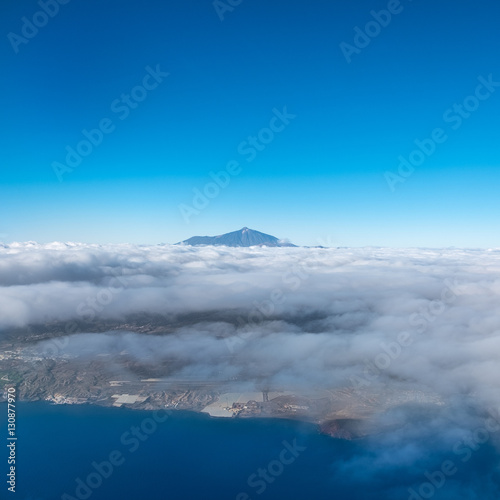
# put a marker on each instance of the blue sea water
(180, 456)
(88, 452)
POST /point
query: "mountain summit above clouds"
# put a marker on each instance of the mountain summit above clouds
(243, 238)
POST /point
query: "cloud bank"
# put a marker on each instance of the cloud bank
(374, 320)
(310, 314)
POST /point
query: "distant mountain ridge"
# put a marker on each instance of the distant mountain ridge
(243, 238)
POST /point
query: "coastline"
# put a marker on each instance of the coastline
(335, 428)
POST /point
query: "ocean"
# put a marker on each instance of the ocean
(85, 452)
(89, 452)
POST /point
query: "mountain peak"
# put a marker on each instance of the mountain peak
(245, 237)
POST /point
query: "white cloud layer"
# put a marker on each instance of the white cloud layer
(306, 315)
(375, 319)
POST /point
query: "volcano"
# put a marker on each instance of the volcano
(243, 238)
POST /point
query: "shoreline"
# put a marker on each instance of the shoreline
(320, 427)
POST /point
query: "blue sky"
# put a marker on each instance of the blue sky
(319, 176)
